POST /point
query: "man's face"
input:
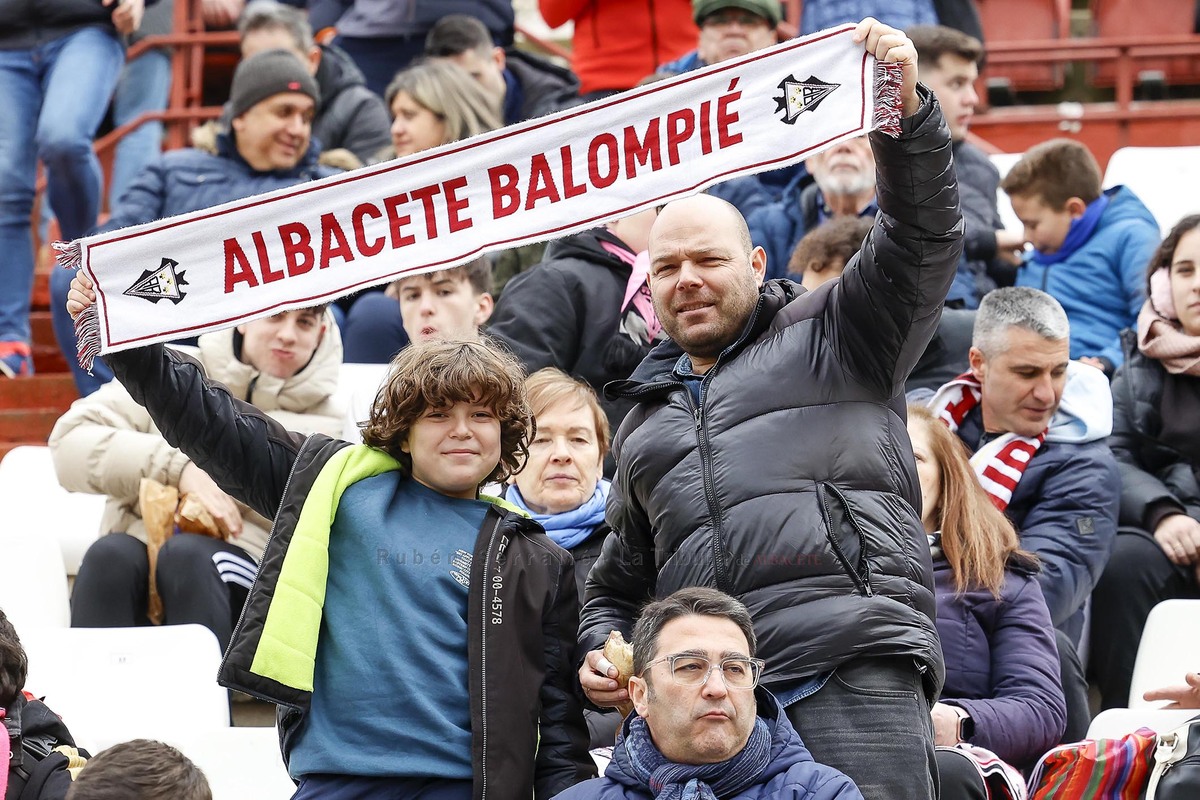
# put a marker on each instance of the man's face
(283, 344)
(1045, 227)
(486, 68)
(1022, 384)
(732, 32)
(273, 134)
(442, 305)
(847, 168)
(264, 39)
(702, 724)
(952, 79)
(703, 282)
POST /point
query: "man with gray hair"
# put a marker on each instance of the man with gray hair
(1036, 422)
(697, 734)
(349, 116)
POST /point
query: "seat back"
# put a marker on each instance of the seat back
(114, 684)
(1169, 649)
(1004, 162)
(1124, 19)
(1025, 21)
(33, 500)
(1117, 722)
(33, 589)
(1162, 177)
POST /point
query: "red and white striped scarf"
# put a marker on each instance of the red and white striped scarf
(1000, 463)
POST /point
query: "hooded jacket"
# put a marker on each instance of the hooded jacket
(181, 181)
(791, 774)
(528, 735)
(544, 87)
(1002, 663)
(1064, 506)
(792, 487)
(979, 271)
(106, 443)
(565, 313)
(1156, 479)
(1102, 284)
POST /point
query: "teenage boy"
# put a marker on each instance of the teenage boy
(448, 304)
(417, 637)
(1090, 247)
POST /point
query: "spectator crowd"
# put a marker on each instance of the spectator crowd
(907, 481)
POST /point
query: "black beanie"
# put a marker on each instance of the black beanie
(266, 74)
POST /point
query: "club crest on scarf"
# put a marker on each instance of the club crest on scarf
(798, 96)
(163, 283)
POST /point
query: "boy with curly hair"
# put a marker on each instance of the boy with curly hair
(416, 636)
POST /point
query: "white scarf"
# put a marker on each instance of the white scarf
(541, 179)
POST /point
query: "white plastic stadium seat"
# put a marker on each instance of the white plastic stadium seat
(1004, 162)
(33, 591)
(1163, 177)
(35, 502)
(114, 684)
(1117, 722)
(240, 763)
(1169, 649)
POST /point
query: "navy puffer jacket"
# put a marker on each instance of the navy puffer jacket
(1002, 663)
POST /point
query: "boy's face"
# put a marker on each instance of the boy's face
(281, 345)
(442, 305)
(454, 449)
(1045, 227)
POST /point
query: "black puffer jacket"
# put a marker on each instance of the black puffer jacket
(28, 23)
(350, 115)
(1155, 477)
(545, 86)
(565, 313)
(527, 733)
(794, 487)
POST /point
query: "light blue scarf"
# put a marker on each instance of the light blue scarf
(569, 528)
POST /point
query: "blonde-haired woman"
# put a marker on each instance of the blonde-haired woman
(432, 103)
(1003, 691)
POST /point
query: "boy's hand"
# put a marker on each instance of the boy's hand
(224, 510)
(127, 16)
(1010, 247)
(81, 296)
(598, 677)
(890, 45)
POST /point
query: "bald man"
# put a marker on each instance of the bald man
(767, 457)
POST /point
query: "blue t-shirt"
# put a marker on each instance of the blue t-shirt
(390, 692)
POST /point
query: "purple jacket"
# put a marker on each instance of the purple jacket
(1002, 664)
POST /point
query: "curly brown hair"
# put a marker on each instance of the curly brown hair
(438, 374)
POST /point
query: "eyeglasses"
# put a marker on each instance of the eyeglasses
(688, 670)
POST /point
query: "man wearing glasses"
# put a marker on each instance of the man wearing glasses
(701, 728)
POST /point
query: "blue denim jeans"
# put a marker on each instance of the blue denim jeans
(144, 86)
(871, 721)
(53, 98)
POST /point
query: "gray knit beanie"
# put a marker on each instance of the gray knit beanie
(269, 73)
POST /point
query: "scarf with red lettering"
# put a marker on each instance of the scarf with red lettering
(540, 179)
(1000, 463)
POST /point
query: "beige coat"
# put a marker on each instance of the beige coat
(106, 442)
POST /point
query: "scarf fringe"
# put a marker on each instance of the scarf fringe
(888, 79)
(87, 324)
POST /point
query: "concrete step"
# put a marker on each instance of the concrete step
(42, 390)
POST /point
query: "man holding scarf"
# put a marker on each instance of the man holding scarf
(767, 456)
(699, 735)
(1036, 422)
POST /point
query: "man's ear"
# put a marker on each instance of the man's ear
(1075, 207)
(314, 60)
(639, 695)
(499, 57)
(484, 306)
(978, 362)
(758, 263)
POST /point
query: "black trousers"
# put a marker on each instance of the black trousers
(1138, 577)
(1075, 689)
(959, 778)
(200, 580)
